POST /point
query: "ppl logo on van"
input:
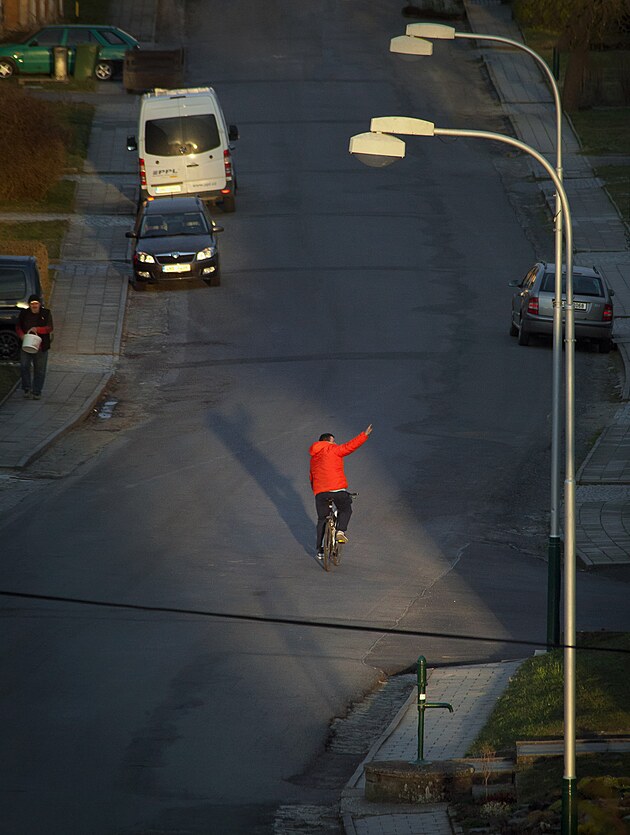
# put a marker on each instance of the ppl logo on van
(161, 172)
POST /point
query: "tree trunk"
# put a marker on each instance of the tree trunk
(572, 91)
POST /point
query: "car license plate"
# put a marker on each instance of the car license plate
(168, 189)
(176, 268)
(576, 305)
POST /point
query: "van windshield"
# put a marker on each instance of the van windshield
(181, 135)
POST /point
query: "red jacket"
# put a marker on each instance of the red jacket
(327, 463)
(41, 321)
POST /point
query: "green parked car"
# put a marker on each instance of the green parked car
(35, 54)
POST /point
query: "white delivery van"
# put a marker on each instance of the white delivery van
(184, 146)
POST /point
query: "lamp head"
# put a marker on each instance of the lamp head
(410, 47)
(405, 125)
(376, 149)
(437, 31)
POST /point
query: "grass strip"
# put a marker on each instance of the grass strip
(603, 130)
(49, 232)
(532, 705)
(617, 180)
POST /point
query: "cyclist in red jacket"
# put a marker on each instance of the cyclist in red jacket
(328, 481)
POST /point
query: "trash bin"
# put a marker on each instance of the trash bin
(60, 63)
(85, 61)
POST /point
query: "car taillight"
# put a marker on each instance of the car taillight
(227, 161)
(608, 313)
(143, 173)
(532, 306)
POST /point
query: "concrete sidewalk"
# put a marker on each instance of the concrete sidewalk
(90, 289)
(472, 691)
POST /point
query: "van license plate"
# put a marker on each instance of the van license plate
(167, 189)
(176, 268)
(580, 305)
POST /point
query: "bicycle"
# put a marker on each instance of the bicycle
(330, 546)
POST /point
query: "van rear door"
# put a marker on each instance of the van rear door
(184, 148)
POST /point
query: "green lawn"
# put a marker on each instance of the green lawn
(532, 708)
(532, 705)
(49, 232)
(603, 130)
(60, 198)
(617, 179)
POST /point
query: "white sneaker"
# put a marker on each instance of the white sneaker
(342, 537)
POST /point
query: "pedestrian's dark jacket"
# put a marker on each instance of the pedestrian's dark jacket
(41, 321)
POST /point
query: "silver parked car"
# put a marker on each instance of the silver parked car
(532, 305)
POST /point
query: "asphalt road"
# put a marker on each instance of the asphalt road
(349, 296)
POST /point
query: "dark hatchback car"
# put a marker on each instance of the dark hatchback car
(174, 240)
(532, 305)
(35, 54)
(19, 278)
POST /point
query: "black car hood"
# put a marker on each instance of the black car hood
(174, 243)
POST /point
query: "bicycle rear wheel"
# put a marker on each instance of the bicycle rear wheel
(336, 553)
(328, 545)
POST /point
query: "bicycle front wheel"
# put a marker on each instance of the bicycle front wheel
(328, 546)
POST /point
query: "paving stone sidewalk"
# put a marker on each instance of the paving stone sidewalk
(90, 288)
(472, 691)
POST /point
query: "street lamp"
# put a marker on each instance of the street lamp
(379, 143)
(418, 41)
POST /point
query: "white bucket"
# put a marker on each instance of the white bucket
(31, 343)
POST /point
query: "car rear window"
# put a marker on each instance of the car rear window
(583, 285)
(12, 285)
(112, 37)
(181, 135)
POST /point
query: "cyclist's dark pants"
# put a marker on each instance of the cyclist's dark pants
(343, 503)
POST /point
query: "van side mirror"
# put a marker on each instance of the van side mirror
(232, 133)
(130, 235)
(216, 228)
(132, 144)
(515, 283)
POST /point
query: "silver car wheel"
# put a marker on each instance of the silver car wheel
(6, 69)
(103, 71)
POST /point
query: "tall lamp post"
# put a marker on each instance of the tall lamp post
(379, 147)
(417, 42)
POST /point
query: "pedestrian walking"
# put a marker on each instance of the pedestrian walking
(37, 320)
